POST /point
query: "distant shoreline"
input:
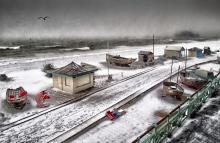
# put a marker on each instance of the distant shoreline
(32, 49)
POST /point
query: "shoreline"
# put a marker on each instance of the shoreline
(32, 50)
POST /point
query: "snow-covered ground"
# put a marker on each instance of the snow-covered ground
(26, 72)
(204, 127)
(139, 117)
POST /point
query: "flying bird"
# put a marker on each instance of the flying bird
(43, 18)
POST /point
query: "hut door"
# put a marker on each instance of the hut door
(60, 83)
(145, 58)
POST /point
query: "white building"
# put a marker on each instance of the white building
(175, 52)
(74, 78)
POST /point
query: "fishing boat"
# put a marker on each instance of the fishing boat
(193, 77)
(172, 89)
(48, 69)
(118, 60)
(17, 97)
(190, 79)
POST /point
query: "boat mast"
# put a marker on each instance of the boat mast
(177, 80)
(171, 69)
(153, 44)
(185, 59)
(108, 57)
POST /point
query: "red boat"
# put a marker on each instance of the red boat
(17, 97)
(41, 97)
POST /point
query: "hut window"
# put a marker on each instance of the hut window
(67, 81)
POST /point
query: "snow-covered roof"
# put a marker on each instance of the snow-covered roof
(74, 70)
(174, 48)
(206, 47)
(145, 53)
(195, 49)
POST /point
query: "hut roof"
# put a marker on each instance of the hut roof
(145, 53)
(74, 70)
(174, 48)
(195, 49)
(206, 47)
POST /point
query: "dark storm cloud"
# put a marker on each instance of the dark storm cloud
(106, 18)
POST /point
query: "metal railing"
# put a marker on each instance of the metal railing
(164, 128)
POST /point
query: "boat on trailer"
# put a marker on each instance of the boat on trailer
(118, 60)
(172, 89)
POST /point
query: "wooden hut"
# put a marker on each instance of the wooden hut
(17, 97)
(3, 77)
(176, 52)
(207, 51)
(74, 78)
(146, 56)
(195, 52)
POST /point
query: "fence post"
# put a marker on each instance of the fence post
(168, 125)
(155, 133)
(179, 117)
(190, 106)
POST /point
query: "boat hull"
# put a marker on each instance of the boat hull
(117, 60)
(172, 89)
(194, 83)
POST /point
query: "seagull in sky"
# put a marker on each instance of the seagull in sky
(43, 18)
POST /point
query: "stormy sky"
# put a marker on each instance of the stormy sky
(107, 18)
